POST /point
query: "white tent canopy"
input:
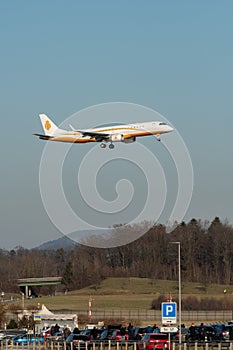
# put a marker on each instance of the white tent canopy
(46, 314)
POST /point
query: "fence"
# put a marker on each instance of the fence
(110, 345)
(147, 315)
(155, 315)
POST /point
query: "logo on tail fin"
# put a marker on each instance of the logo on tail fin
(47, 125)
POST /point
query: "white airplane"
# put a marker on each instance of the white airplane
(118, 133)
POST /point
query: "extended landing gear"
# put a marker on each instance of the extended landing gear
(103, 145)
(158, 137)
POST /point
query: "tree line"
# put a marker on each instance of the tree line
(206, 257)
(192, 303)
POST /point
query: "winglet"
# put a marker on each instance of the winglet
(72, 128)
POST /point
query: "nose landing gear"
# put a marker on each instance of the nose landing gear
(158, 137)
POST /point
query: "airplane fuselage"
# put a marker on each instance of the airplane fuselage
(117, 133)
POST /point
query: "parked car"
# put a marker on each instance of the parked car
(118, 335)
(153, 341)
(202, 333)
(223, 332)
(175, 336)
(46, 332)
(139, 332)
(107, 334)
(92, 334)
(220, 332)
(229, 328)
(78, 340)
(57, 337)
(7, 339)
(7, 336)
(28, 339)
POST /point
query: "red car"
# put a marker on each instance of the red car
(119, 336)
(152, 341)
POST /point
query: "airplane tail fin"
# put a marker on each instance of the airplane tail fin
(49, 127)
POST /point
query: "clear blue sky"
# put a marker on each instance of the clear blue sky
(58, 57)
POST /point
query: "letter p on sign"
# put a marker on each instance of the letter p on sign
(169, 310)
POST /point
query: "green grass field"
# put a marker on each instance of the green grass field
(126, 293)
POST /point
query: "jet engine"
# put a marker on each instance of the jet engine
(117, 138)
(130, 140)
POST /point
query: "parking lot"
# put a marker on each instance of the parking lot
(118, 336)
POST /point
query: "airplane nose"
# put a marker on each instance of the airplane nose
(170, 128)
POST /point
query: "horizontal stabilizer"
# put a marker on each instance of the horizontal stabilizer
(43, 137)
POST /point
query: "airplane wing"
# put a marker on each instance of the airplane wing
(99, 136)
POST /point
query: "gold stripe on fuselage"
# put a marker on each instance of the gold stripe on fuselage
(146, 133)
(73, 139)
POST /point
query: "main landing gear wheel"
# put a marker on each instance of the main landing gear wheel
(111, 146)
(103, 145)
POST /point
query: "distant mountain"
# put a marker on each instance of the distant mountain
(100, 238)
(63, 242)
(67, 243)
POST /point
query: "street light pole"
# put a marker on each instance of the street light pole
(179, 274)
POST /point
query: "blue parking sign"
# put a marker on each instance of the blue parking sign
(169, 312)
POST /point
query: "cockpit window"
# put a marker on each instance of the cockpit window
(162, 123)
